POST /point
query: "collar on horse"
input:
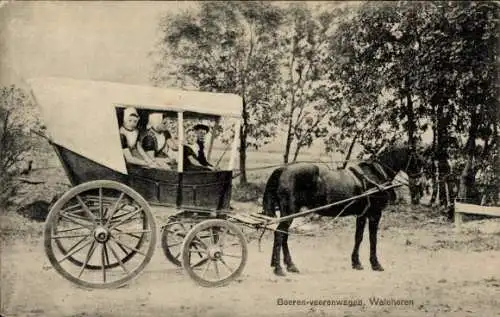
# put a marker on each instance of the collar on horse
(363, 178)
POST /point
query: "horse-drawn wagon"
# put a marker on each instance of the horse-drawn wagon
(102, 232)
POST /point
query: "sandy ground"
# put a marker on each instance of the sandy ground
(441, 273)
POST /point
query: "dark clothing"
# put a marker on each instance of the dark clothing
(201, 154)
(188, 152)
(150, 143)
(123, 140)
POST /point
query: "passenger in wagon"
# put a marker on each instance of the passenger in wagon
(158, 142)
(201, 131)
(191, 160)
(129, 135)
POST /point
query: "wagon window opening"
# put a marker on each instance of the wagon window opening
(213, 134)
(148, 138)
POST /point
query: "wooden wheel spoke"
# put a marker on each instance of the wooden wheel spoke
(199, 241)
(118, 258)
(86, 208)
(70, 209)
(78, 243)
(174, 244)
(216, 269)
(232, 255)
(87, 259)
(222, 237)
(206, 269)
(75, 250)
(131, 233)
(198, 251)
(71, 236)
(125, 219)
(200, 262)
(68, 230)
(127, 246)
(103, 261)
(227, 266)
(88, 225)
(115, 208)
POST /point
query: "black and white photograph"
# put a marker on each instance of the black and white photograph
(249, 158)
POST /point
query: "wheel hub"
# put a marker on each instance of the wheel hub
(101, 234)
(214, 253)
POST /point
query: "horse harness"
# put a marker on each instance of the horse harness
(363, 179)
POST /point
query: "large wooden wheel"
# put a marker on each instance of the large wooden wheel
(100, 234)
(214, 253)
(105, 203)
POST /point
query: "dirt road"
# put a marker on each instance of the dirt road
(431, 270)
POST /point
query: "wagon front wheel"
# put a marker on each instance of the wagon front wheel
(100, 234)
(214, 253)
(172, 236)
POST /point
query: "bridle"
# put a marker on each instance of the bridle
(412, 156)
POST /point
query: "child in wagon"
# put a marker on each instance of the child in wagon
(158, 142)
(129, 135)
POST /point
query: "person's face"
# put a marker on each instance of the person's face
(191, 137)
(130, 123)
(200, 134)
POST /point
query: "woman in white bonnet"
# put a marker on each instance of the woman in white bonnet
(129, 135)
(158, 142)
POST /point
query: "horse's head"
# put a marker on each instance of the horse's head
(401, 157)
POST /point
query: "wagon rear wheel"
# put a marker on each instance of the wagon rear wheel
(93, 203)
(100, 234)
(214, 253)
(172, 236)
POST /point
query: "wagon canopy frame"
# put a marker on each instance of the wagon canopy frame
(80, 115)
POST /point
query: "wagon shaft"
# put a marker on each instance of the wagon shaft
(313, 210)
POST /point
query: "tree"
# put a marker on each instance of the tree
(227, 47)
(305, 91)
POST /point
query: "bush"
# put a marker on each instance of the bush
(16, 119)
(249, 192)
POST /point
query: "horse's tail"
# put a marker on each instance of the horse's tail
(270, 199)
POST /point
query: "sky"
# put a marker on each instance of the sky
(96, 40)
(86, 40)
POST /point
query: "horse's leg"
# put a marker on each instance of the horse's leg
(278, 239)
(287, 258)
(358, 237)
(373, 228)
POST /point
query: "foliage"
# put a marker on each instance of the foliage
(16, 120)
(305, 95)
(408, 66)
(227, 47)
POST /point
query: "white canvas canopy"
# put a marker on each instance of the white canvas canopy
(80, 115)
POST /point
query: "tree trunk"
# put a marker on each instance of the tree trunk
(349, 151)
(296, 153)
(289, 139)
(411, 128)
(434, 170)
(467, 191)
(243, 146)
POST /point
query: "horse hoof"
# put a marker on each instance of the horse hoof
(358, 267)
(292, 268)
(278, 271)
(378, 268)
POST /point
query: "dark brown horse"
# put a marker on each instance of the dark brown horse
(300, 185)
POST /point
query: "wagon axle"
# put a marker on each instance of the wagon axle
(101, 234)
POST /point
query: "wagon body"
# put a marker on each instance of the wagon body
(196, 190)
(83, 128)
